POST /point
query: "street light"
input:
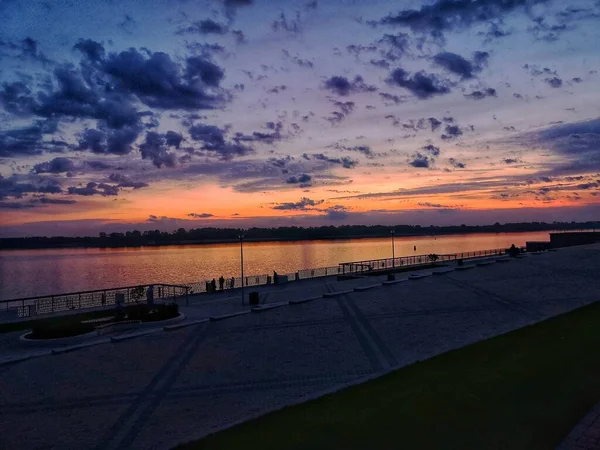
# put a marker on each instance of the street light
(241, 237)
(393, 232)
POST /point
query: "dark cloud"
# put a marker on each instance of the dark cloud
(118, 142)
(336, 212)
(432, 150)
(203, 27)
(380, 63)
(434, 123)
(18, 185)
(282, 23)
(342, 86)
(510, 160)
(452, 132)
(445, 15)
(200, 215)
(554, 82)
(305, 204)
(302, 178)
(306, 63)
(421, 84)
(577, 144)
(123, 181)
(390, 97)
(56, 165)
(345, 108)
(456, 64)
(213, 139)
(93, 188)
(494, 32)
(157, 81)
(92, 50)
(480, 95)
(457, 164)
(344, 161)
(173, 139)
(155, 149)
(419, 160)
(30, 140)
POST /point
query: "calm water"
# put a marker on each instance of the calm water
(26, 273)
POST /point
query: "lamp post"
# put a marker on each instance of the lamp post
(393, 232)
(241, 237)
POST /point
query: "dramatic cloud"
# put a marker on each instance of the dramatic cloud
(154, 148)
(480, 95)
(446, 15)
(213, 139)
(305, 204)
(342, 86)
(344, 161)
(419, 160)
(421, 84)
(456, 64)
(17, 186)
(207, 26)
(123, 181)
(457, 164)
(302, 178)
(158, 81)
(93, 188)
(200, 215)
(452, 132)
(57, 165)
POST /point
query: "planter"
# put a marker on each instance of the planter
(71, 340)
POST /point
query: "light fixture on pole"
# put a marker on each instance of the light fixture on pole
(241, 238)
(393, 232)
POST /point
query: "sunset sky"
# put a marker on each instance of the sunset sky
(117, 115)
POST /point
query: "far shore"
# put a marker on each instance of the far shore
(50, 245)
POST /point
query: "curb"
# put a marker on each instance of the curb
(389, 283)
(366, 288)
(184, 325)
(225, 316)
(337, 293)
(71, 348)
(465, 267)
(304, 300)
(268, 306)
(126, 337)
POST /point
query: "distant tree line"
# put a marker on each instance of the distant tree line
(137, 238)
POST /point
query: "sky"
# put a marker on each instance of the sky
(131, 114)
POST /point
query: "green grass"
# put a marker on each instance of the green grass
(522, 390)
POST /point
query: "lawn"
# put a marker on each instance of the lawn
(523, 390)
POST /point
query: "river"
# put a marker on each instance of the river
(25, 273)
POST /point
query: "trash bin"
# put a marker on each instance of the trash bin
(391, 276)
(254, 298)
(459, 262)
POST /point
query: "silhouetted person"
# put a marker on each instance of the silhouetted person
(213, 285)
(221, 282)
(415, 248)
(232, 282)
(274, 277)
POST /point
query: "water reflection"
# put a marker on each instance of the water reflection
(38, 272)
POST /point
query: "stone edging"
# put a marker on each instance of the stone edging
(79, 339)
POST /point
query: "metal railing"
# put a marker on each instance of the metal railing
(259, 280)
(48, 304)
(373, 265)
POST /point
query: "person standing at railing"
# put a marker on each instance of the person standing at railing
(232, 283)
(221, 282)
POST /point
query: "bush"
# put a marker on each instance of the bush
(147, 313)
(59, 329)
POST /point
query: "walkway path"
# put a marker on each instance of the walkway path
(164, 388)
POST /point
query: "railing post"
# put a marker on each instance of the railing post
(52, 304)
